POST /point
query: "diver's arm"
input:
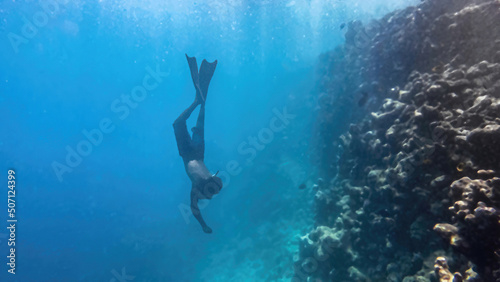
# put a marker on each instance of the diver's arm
(197, 214)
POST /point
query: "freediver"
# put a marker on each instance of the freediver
(192, 149)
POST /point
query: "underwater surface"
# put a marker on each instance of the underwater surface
(355, 140)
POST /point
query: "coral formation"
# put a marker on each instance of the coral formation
(435, 79)
(476, 224)
(444, 274)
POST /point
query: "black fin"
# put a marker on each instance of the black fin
(193, 67)
(206, 72)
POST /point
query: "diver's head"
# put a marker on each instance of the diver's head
(213, 185)
(217, 181)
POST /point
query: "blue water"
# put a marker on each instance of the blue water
(117, 211)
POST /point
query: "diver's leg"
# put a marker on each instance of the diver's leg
(200, 122)
(199, 135)
(187, 112)
(184, 142)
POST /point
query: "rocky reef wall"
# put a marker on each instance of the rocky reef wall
(417, 188)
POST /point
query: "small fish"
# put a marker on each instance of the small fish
(364, 98)
(439, 68)
(302, 186)
(342, 26)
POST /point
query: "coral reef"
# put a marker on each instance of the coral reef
(377, 57)
(476, 226)
(444, 274)
(433, 73)
(322, 248)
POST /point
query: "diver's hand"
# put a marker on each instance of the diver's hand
(207, 229)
